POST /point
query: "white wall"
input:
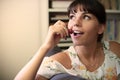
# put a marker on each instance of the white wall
(23, 26)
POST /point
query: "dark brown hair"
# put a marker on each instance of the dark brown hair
(91, 6)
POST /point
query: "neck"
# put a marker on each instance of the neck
(90, 56)
(89, 51)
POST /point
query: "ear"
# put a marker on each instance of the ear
(101, 28)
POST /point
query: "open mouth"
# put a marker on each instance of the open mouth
(77, 33)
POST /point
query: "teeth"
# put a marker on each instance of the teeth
(76, 32)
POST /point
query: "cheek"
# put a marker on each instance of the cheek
(91, 28)
(91, 31)
(70, 25)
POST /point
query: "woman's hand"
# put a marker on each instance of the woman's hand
(55, 33)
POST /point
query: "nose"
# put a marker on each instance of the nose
(77, 22)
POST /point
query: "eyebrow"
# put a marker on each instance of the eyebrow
(82, 12)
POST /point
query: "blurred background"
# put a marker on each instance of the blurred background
(23, 26)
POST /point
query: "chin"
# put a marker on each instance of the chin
(77, 43)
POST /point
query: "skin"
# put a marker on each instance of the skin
(85, 44)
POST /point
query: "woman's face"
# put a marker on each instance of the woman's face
(85, 27)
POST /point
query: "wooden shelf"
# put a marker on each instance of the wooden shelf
(114, 15)
(113, 11)
(58, 10)
(65, 10)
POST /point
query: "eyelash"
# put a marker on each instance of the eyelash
(83, 17)
(71, 16)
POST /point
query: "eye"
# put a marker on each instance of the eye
(71, 16)
(86, 17)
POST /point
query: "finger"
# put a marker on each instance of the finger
(61, 27)
(59, 22)
(58, 31)
(66, 30)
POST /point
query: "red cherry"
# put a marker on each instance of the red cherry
(70, 31)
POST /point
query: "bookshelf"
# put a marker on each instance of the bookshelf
(65, 10)
(112, 29)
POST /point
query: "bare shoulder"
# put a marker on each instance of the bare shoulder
(63, 58)
(115, 47)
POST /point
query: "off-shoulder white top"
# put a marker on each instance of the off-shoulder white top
(107, 71)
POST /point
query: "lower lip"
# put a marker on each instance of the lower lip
(76, 36)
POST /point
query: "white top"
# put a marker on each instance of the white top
(107, 71)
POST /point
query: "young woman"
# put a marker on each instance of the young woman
(90, 57)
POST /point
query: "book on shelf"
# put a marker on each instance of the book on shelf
(112, 30)
(118, 31)
(113, 4)
(60, 3)
(113, 20)
(68, 40)
(59, 17)
(61, 0)
(106, 3)
(118, 4)
(53, 17)
(65, 44)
